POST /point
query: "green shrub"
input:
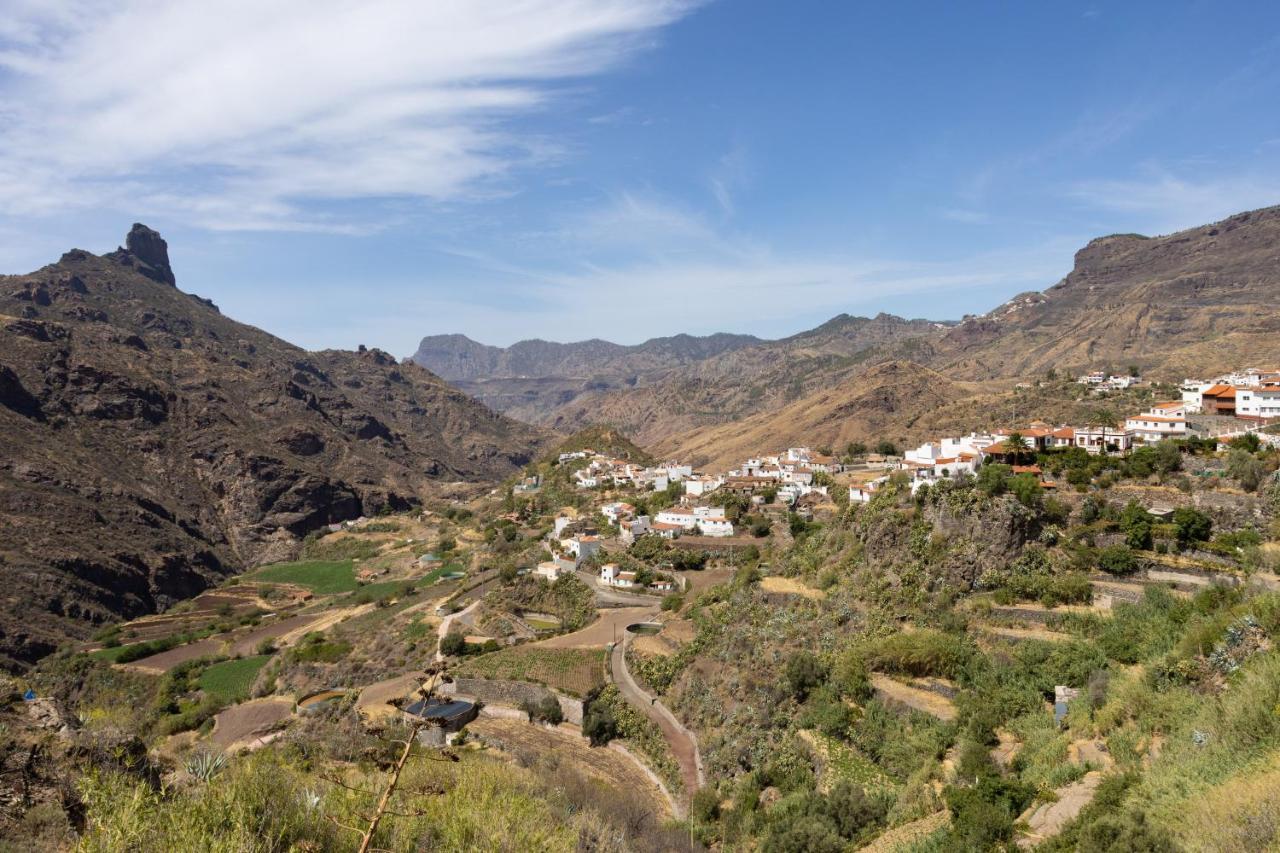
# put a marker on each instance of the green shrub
(920, 653)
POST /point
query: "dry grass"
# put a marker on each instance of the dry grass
(790, 586)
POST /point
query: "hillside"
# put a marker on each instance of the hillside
(153, 447)
(731, 385)
(1195, 302)
(883, 401)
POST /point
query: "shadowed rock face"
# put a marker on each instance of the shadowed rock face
(150, 446)
(147, 252)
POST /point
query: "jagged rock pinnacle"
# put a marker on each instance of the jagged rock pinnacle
(150, 248)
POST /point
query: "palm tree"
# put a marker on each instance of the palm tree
(1016, 445)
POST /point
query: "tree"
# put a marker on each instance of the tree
(886, 448)
(1248, 442)
(1245, 468)
(453, 644)
(1117, 560)
(1135, 521)
(1192, 525)
(855, 448)
(1017, 445)
(804, 672)
(1027, 489)
(994, 479)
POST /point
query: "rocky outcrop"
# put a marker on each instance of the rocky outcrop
(147, 252)
(153, 447)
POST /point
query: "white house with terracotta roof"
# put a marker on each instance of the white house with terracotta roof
(1103, 438)
(550, 570)
(618, 511)
(1161, 421)
(611, 575)
(666, 530)
(1062, 437)
(1262, 401)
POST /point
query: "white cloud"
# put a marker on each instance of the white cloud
(244, 114)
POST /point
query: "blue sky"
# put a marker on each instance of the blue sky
(369, 173)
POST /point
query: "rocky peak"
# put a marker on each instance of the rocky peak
(145, 250)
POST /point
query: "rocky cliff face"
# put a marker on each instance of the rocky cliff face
(152, 446)
(1192, 303)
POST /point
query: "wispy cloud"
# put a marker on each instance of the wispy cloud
(760, 292)
(731, 173)
(238, 114)
(1167, 201)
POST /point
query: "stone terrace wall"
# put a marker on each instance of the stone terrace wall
(514, 693)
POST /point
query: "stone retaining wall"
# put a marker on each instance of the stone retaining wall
(513, 693)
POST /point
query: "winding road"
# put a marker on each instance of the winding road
(683, 743)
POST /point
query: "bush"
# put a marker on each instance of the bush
(1191, 525)
(804, 672)
(546, 710)
(1117, 560)
(921, 653)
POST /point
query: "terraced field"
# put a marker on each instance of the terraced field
(574, 671)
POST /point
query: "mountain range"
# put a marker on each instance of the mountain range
(1193, 303)
(153, 447)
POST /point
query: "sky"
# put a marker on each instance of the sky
(343, 173)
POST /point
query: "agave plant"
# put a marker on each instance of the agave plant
(205, 765)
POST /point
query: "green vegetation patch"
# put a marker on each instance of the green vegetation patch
(323, 577)
(574, 671)
(230, 681)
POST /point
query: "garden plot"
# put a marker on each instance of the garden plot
(245, 724)
(573, 671)
(1021, 635)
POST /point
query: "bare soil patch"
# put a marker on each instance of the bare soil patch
(240, 725)
(374, 699)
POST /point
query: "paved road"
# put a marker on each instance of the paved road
(683, 743)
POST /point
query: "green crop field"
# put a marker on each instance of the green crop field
(230, 680)
(323, 577)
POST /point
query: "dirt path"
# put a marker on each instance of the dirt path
(611, 625)
(684, 746)
(447, 622)
(246, 723)
(1047, 819)
(897, 693)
